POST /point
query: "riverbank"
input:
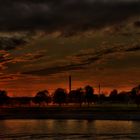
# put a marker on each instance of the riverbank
(93, 113)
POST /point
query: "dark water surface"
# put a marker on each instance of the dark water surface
(69, 130)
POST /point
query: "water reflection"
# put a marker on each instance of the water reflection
(68, 129)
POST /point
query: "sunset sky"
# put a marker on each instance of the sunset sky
(42, 42)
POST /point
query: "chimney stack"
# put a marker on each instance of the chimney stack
(99, 89)
(69, 83)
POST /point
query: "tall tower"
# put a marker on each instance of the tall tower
(99, 93)
(69, 83)
(99, 89)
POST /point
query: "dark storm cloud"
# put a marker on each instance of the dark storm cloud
(84, 59)
(64, 14)
(135, 48)
(4, 60)
(6, 78)
(10, 43)
(92, 57)
(34, 56)
(55, 69)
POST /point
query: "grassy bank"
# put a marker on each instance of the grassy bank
(95, 112)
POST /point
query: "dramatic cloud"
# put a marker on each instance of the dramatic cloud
(82, 60)
(64, 15)
(43, 41)
(55, 70)
(9, 43)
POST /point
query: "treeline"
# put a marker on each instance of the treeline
(79, 96)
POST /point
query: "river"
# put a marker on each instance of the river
(69, 130)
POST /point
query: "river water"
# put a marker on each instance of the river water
(69, 130)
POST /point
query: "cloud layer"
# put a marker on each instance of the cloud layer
(64, 15)
(47, 43)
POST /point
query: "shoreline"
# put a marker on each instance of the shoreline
(127, 117)
(71, 113)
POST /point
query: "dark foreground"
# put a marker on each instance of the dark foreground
(93, 113)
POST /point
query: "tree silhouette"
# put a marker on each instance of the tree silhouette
(72, 97)
(80, 96)
(113, 95)
(42, 97)
(89, 94)
(102, 98)
(24, 101)
(60, 96)
(134, 92)
(3, 97)
(137, 100)
(123, 97)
